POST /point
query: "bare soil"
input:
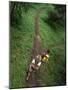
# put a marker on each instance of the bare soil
(32, 82)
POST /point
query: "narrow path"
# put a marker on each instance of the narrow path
(32, 82)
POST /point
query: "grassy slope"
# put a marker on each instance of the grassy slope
(21, 45)
(54, 72)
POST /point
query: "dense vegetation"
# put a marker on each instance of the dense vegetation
(52, 32)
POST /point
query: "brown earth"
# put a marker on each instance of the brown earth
(32, 82)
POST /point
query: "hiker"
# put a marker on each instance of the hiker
(36, 62)
(43, 57)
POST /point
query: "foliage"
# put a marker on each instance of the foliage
(57, 16)
(16, 10)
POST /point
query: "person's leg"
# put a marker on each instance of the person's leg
(31, 68)
(29, 71)
(28, 76)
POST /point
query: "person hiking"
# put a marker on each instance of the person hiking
(37, 61)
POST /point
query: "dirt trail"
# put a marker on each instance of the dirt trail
(32, 82)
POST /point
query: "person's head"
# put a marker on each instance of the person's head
(48, 51)
(44, 52)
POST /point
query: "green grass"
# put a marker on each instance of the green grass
(21, 43)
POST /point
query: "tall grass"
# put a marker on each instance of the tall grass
(21, 43)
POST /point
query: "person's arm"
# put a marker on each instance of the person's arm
(33, 61)
(38, 57)
(38, 65)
